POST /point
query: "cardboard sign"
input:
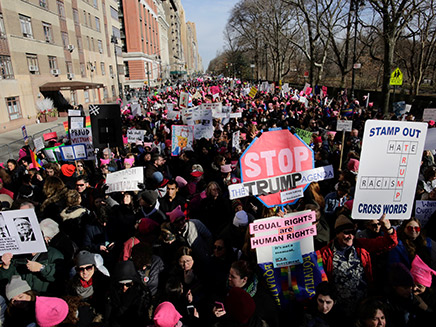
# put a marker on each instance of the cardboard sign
(344, 125)
(73, 112)
(38, 143)
(125, 180)
(20, 232)
(83, 136)
(135, 135)
(182, 137)
(429, 114)
(389, 167)
(424, 210)
(184, 100)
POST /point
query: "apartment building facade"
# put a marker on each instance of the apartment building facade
(58, 49)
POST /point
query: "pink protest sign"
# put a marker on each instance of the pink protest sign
(281, 238)
(281, 224)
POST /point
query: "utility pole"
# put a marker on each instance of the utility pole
(114, 40)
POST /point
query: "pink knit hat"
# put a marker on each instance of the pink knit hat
(50, 311)
(421, 272)
(166, 315)
(175, 214)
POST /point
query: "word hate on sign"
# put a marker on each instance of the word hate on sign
(275, 153)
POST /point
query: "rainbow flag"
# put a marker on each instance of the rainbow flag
(36, 162)
(87, 123)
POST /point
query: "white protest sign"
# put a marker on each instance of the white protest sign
(388, 171)
(424, 210)
(38, 142)
(291, 195)
(125, 180)
(203, 123)
(172, 114)
(134, 135)
(235, 115)
(429, 114)
(74, 112)
(430, 141)
(76, 122)
(236, 141)
(83, 136)
(184, 100)
(20, 232)
(50, 155)
(136, 109)
(280, 183)
(273, 231)
(344, 125)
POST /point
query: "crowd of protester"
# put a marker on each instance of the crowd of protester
(177, 252)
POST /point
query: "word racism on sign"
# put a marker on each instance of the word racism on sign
(387, 185)
(285, 230)
(280, 183)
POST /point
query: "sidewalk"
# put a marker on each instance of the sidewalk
(12, 141)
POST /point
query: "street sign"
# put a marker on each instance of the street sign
(396, 77)
(275, 153)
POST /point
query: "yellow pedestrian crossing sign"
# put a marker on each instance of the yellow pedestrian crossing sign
(396, 77)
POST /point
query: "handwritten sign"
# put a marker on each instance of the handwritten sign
(125, 180)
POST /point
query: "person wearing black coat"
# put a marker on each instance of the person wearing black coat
(129, 301)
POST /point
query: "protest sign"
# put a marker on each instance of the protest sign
(125, 180)
(172, 114)
(38, 143)
(50, 136)
(236, 141)
(279, 231)
(134, 135)
(136, 109)
(83, 136)
(182, 137)
(429, 114)
(20, 232)
(344, 125)
(74, 152)
(183, 100)
(253, 91)
(430, 140)
(273, 154)
(424, 210)
(388, 171)
(74, 112)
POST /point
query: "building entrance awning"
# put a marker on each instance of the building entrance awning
(69, 85)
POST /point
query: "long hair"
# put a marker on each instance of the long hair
(52, 185)
(416, 246)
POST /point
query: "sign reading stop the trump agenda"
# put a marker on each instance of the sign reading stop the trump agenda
(270, 163)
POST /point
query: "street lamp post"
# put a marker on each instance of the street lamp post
(354, 6)
(114, 40)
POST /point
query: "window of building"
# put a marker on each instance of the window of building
(88, 42)
(73, 97)
(14, 108)
(69, 65)
(65, 40)
(76, 16)
(43, 4)
(2, 27)
(61, 9)
(86, 95)
(32, 62)
(26, 26)
(103, 69)
(126, 69)
(48, 32)
(52, 62)
(105, 94)
(82, 69)
(100, 46)
(114, 13)
(85, 20)
(79, 43)
(114, 94)
(6, 71)
(111, 70)
(95, 4)
(97, 24)
(92, 44)
(89, 20)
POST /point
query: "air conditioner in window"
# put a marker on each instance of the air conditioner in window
(70, 47)
(33, 68)
(55, 72)
(70, 75)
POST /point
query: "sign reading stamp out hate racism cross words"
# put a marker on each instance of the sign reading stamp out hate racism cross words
(388, 170)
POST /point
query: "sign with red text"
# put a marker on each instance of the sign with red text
(274, 153)
(269, 236)
(389, 167)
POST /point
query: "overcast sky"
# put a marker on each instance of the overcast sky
(210, 18)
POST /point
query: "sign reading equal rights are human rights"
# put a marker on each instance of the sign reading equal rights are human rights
(388, 170)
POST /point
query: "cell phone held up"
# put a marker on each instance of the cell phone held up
(190, 309)
(219, 305)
